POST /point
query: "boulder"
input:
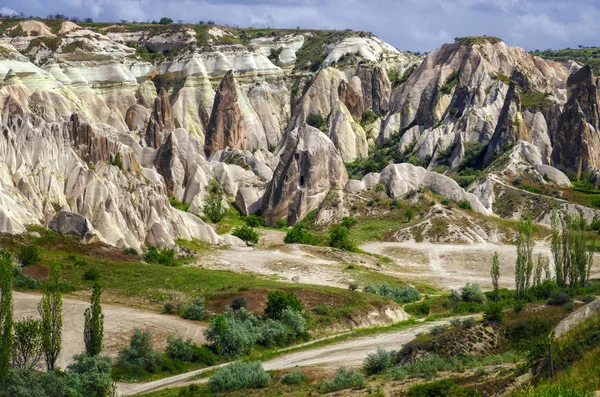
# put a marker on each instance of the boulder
(65, 222)
(249, 200)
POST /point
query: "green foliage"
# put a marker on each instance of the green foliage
(472, 40)
(93, 331)
(278, 301)
(178, 204)
(396, 293)
(238, 376)
(230, 336)
(377, 362)
(196, 310)
(27, 343)
(299, 235)
(254, 220)
(161, 256)
(495, 275)
(451, 82)
(409, 213)
(535, 99)
(213, 208)
(464, 204)
(91, 274)
(344, 379)
(246, 234)
(25, 382)
(472, 293)
(558, 298)
(165, 21)
(494, 312)
(186, 350)
(6, 319)
(317, 121)
(90, 375)
(238, 303)
(50, 309)
(281, 223)
(29, 255)
(419, 309)
(117, 161)
(140, 355)
(441, 388)
(349, 222)
(397, 80)
(339, 237)
(293, 378)
(584, 55)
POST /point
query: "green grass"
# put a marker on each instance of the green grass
(472, 40)
(587, 56)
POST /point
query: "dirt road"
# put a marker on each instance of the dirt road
(119, 323)
(351, 352)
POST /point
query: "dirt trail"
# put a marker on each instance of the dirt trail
(351, 352)
(119, 323)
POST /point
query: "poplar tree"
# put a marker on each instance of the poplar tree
(93, 330)
(556, 247)
(495, 273)
(50, 309)
(6, 320)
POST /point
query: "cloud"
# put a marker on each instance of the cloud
(421, 25)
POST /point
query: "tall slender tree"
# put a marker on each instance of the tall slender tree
(50, 309)
(524, 262)
(495, 274)
(93, 330)
(6, 320)
(557, 248)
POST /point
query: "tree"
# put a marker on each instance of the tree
(93, 329)
(246, 234)
(542, 270)
(165, 21)
(524, 262)
(495, 273)
(50, 309)
(410, 212)
(27, 343)
(556, 246)
(6, 276)
(277, 301)
(339, 237)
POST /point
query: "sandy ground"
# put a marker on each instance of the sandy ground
(119, 323)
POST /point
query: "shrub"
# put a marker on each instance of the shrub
(317, 121)
(29, 255)
(570, 306)
(281, 223)
(213, 208)
(254, 220)
(464, 204)
(299, 235)
(442, 388)
(278, 301)
(398, 294)
(292, 378)
(469, 322)
(344, 379)
(410, 213)
(140, 353)
(239, 376)
(418, 308)
(472, 293)
(196, 310)
(165, 21)
(526, 329)
(186, 350)
(339, 237)
(293, 320)
(25, 281)
(352, 286)
(588, 299)
(445, 201)
(494, 312)
(518, 306)
(91, 274)
(349, 222)
(438, 329)
(161, 256)
(246, 234)
(377, 362)
(90, 375)
(231, 337)
(130, 251)
(238, 303)
(558, 298)
(273, 332)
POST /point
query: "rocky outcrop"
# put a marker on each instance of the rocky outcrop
(227, 127)
(161, 121)
(65, 222)
(576, 146)
(310, 166)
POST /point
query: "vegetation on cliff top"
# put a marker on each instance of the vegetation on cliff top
(585, 55)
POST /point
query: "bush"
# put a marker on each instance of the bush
(231, 337)
(377, 362)
(349, 222)
(186, 350)
(352, 286)
(588, 299)
(558, 298)
(238, 303)
(239, 376)
(165, 21)
(419, 308)
(570, 306)
(254, 220)
(526, 329)
(445, 201)
(464, 204)
(29, 255)
(130, 251)
(398, 294)
(344, 379)
(90, 375)
(25, 281)
(195, 310)
(299, 235)
(281, 223)
(213, 208)
(278, 301)
(339, 237)
(91, 274)
(438, 329)
(161, 256)
(246, 234)
(141, 353)
(472, 293)
(293, 320)
(292, 378)
(442, 388)
(494, 312)
(317, 121)
(469, 322)
(273, 332)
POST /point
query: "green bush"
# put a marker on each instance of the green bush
(238, 376)
(196, 310)
(254, 220)
(339, 237)
(377, 362)
(186, 350)
(558, 298)
(161, 256)
(398, 294)
(278, 301)
(494, 312)
(472, 293)
(25, 281)
(281, 223)
(442, 388)
(344, 379)
(418, 308)
(29, 255)
(140, 354)
(238, 303)
(464, 204)
(246, 234)
(213, 208)
(293, 320)
(130, 251)
(588, 299)
(299, 235)
(92, 274)
(317, 121)
(349, 222)
(292, 378)
(230, 336)
(90, 375)
(527, 329)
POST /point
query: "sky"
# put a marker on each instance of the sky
(416, 25)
